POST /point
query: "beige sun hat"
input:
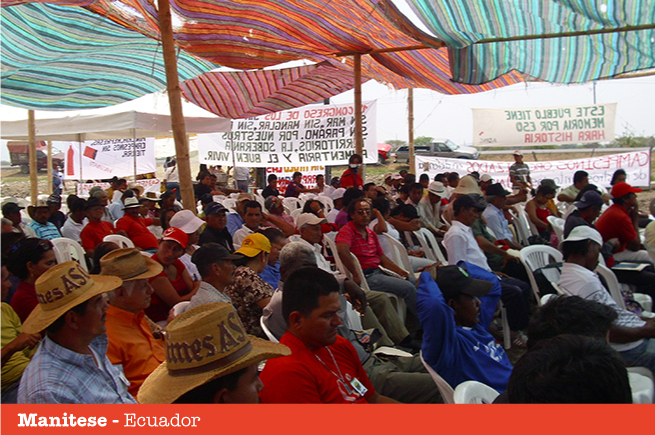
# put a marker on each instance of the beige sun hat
(61, 288)
(129, 264)
(137, 187)
(202, 344)
(467, 185)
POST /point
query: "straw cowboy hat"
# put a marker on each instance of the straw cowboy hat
(203, 344)
(137, 187)
(129, 264)
(61, 288)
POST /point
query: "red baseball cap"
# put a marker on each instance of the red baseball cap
(621, 189)
(176, 235)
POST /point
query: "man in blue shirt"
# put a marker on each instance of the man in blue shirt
(455, 313)
(71, 365)
(42, 227)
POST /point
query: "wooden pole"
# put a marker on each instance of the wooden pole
(175, 102)
(34, 178)
(49, 168)
(359, 143)
(410, 123)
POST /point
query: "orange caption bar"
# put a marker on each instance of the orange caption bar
(317, 419)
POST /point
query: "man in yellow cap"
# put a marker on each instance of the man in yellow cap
(132, 343)
(71, 365)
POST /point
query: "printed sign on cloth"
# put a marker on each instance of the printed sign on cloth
(103, 159)
(285, 174)
(636, 165)
(544, 125)
(148, 184)
(310, 135)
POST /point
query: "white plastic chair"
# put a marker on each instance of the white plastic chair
(558, 226)
(67, 250)
(295, 213)
(474, 392)
(521, 227)
(615, 291)
(267, 331)
(428, 244)
(641, 385)
(353, 318)
(180, 307)
(399, 254)
(432, 241)
(291, 203)
(121, 241)
(537, 256)
(446, 391)
(327, 202)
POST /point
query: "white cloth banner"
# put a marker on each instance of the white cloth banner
(636, 165)
(148, 184)
(106, 158)
(544, 125)
(310, 135)
(285, 174)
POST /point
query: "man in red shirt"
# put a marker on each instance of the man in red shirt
(136, 227)
(323, 366)
(350, 177)
(620, 222)
(357, 238)
(96, 230)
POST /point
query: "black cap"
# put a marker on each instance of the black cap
(453, 280)
(589, 199)
(210, 253)
(214, 208)
(11, 207)
(93, 202)
(473, 200)
(496, 189)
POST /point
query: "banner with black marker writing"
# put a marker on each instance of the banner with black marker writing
(600, 168)
(544, 125)
(104, 159)
(310, 135)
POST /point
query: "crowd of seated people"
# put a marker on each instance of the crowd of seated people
(300, 271)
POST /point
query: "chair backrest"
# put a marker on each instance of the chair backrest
(427, 249)
(432, 241)
(523, 216)
(522, 232)
(353, 318)
(651, 251)
(474, 393)
(446, 391)
(537, 256)
(295, 213)
(558, 226)
(327, 202)
(260, 200)
(267, 331)
(291, 203)
(180, 307)
(398, 254)
(612, 284)
(121, 241)
(67, 250)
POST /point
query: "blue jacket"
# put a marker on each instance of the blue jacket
(459, 353)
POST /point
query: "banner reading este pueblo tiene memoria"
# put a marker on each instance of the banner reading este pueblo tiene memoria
(636, 165)
(544, 125)
(310, 135)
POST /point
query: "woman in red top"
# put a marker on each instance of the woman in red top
(28, 260)
(350, 177)
(538, 211)
(173, 284)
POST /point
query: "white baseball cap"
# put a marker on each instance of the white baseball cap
(437, 188)
(338, 193)
(583, 232)
(309, 219)
(486, 177)
(186, 221)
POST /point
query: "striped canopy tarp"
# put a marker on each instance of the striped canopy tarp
(570, 41)
(63, 58)
(67, 58)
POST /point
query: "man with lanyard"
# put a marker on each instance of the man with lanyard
(519, 173)
(350, 177)
(323, 367)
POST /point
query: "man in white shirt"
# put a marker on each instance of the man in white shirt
(429, 208)
(76, 220)
(461, 245)
(632, 336)
(242, 176)
(253, 218)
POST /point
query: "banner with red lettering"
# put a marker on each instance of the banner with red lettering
(310, 135)
(285, 174)
(636, 164)
(544, 125)
(148, 184)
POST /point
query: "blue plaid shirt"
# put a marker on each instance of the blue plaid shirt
(46, 232)
(59, 375)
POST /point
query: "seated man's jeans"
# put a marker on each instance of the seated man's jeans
(516, 297)
(379, 281)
